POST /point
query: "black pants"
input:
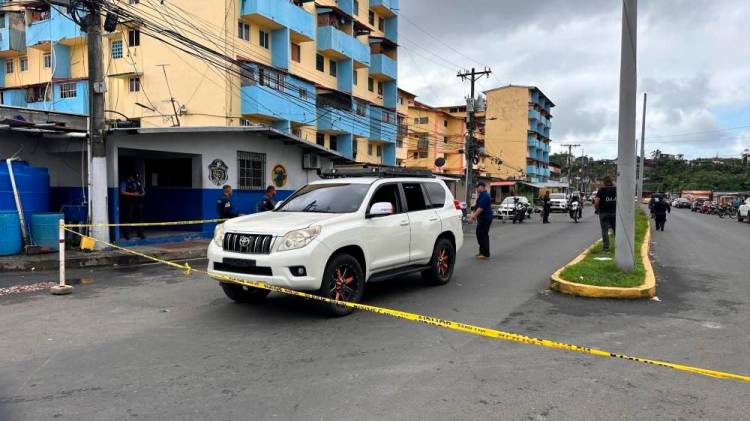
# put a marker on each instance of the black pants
(545, 214)
(483, 235)
(132, 213)
(607, 221)
(660, 221)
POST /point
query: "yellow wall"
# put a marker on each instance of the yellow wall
(506, 130)
(443, 141)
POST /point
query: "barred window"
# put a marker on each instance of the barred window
(24, 63)
(47, 60)
(68, 90)
(251, 167)
(117, 49)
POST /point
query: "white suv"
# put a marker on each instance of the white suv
(332, 236)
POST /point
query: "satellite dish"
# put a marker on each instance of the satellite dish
(439, 162)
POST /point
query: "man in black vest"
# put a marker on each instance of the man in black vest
(606, 206)
(131, 194)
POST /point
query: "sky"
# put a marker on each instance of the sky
(693, 61)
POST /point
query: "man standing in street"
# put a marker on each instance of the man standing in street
(483, 215)
(132, 193)
(224, 207)
(660, 208)
(606, 206)
(546, 207)
(267, 203)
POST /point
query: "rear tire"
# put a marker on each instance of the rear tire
(244, 294)
(442, 263)
(343, 279)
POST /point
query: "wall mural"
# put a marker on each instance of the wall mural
(279, 176)
(217, 172)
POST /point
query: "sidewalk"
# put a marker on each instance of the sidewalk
(75, 258)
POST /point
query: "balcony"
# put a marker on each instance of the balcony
(534, 115)
(337, 121)
(12, 35)
(383, 67)
(279, 14)
(341, 45)
(57, 28)
(263, 101)
(75, 102)
(381, 130)
(533, 141)
(384, 7)
(532, 170)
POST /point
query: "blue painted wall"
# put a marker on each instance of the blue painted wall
(61, 65)
(280, 48)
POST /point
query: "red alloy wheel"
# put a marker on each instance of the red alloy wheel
(343, 281)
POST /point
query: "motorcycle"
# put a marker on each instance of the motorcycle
(519, 212)
(726, 210)
(575, 212)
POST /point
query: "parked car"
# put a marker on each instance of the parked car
(507, 209)
(332, 236)
(743, 213)
(682, 202)
(558, 202)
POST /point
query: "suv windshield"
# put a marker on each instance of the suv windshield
(509, 200)
(326, 198)
(557, 196)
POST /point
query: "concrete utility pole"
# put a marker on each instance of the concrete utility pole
(639, 192)
(625, 233)
(570, 147)
(472, 76)
(98, 169)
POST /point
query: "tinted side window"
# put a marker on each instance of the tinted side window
(414, 197)
(436, 193)
(387, 193)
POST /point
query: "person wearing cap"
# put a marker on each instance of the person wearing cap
(483, 215)
(131, 199)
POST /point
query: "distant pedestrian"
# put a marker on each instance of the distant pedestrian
(660, 209)
(546, 207)
(224, 207)
(267, 203)
(483, 215)
(131, 194)
(606, 206)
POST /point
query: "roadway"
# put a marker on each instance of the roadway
(148, 342)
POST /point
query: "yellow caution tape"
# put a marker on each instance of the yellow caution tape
(147, 224)
(447, 324)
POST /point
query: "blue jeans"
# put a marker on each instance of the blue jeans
(607, 221)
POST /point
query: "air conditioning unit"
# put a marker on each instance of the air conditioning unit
(310, 161)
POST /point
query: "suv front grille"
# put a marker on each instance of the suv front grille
(247, 243)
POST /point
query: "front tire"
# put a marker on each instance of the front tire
(442, 263)
(343, 280)
(243, 293)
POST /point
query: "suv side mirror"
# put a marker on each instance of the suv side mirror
(381, 209)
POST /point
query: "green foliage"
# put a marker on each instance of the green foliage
(701, 174)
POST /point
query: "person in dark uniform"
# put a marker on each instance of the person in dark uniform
(131, 194)
(224, 207)
(483, 215)
(267, 203)
(660, 209)
(606, 206)
(546, 207)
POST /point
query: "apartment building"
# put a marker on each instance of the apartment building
(324, 71)
(434, 134)
(514, 134)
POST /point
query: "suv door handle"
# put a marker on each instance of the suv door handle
(434, 219)
(404, 223)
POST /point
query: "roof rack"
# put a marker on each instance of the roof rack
(376, 171)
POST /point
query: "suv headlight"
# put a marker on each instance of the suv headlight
(219, 235)
(299, 238)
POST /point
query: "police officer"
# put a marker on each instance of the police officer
(546, 207)
(660, 209)
(267, 203)
(224, 207)
(605, 203)
(132, 193)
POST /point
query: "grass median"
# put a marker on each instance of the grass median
(598, 268)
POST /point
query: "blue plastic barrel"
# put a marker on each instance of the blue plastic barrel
(10, 233)
(44, 229)
(33, 187)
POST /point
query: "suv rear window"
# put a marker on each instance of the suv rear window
(414, 197)
(436, 193)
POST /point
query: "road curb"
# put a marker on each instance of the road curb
(647, 290)
(109, 259)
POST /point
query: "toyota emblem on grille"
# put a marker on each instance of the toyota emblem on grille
(244, 241)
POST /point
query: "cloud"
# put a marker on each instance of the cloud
(693, 59)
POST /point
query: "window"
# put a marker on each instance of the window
(265, 39)
(424, 120)
(387, 117)
(387, 193)
(332, 143)
(47, 59)
(356, 8)
(371, 18)
(320, 63)
(243, 30)
(133, 1)
(423, 154)
(134, 37)
(399, 143)
(414, 197)
(23, 63)
(245, 122)
(296, 54)
(38, 93)
(8, 66)
(369, 149)
(320, 139)
(355, 75)
(134, 84)
(379, 150)
(380, 88)
(381, 23)
(416, 120)
(116, 49)
(445, 123)
(68, 90)
(251, 170)
(400, 100)
(270, 78)
(423, 142)
(302, 93)
(360, 108)
(370, 84)
(332, 68)
(436, 193)
(297, 132)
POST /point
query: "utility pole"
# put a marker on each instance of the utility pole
(639, 191)
(472, 76)
(625, 233)
(171, 98)
(570, 147)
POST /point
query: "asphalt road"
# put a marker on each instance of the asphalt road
(150, 343)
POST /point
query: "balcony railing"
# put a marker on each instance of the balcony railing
(341, 44)
(338, 121)
(384, 7)
(282, 13)
(534, 115)
(267, 102)
(383, 66)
